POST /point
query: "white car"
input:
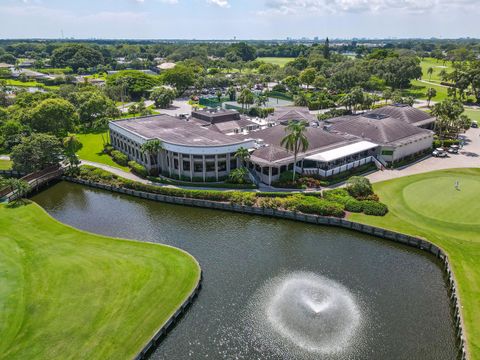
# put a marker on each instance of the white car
(439, 152)
(453, 149)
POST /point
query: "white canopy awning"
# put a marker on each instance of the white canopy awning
(342, 152)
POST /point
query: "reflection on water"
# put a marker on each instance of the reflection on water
(275, 289)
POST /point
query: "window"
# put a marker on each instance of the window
(175, 164)
(233, 164)
(222, 166)
(198, 167)
(210, 166)
(387, 152)
(186, 165)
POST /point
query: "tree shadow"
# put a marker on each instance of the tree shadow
(18, 203)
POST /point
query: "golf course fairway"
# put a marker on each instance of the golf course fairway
(69, 294)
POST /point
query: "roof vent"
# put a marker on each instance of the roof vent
(376, 116)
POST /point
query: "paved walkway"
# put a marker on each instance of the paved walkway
(468, 157)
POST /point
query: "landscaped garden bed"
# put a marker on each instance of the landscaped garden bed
(334, 204)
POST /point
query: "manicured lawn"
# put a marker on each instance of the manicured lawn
(68, 294)
(428, 205)
(473, 114)
(437, 66)
(92, 149)
(281, 61)
(5, 164)
(419, 90)
(19, 83)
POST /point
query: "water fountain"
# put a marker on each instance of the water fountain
(313, 313)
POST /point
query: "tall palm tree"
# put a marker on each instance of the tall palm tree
(296, 140)
(431, 93)
(151, 148)
(242, 154)
(430, 72)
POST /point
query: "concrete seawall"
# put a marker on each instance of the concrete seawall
(169, 324)
(312, 219)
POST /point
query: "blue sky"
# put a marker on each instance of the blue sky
(244, 19)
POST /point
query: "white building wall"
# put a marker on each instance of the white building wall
(412, 147)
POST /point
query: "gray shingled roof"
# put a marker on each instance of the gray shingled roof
(319, 140)
(405, 113)
(175, 131)
(380, 130)
(288, 113)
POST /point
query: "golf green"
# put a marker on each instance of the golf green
(441, 199)
(428, 206)
(69, 294)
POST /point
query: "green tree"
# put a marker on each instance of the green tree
(307, 76)
(431, 93)
(296, 140)
(449, 118)
(430, 73)
(359, 187)
(71, 146)
(180, 77)
(242, 154)
(387, 94)
(36, 152)
(162, 97)
(19, 187)
(151, 148)
(53, 116)
(135, 83)
(246, 98)
(76, 56)
(232, 93)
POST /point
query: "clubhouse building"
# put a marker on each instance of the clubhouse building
(203, 146)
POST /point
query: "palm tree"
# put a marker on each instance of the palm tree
(431, 93)
(430, 72)
(296, 140)
(246, 98)
(242, 154)
(151, 148)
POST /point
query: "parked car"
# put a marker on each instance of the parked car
(474, 124)
(453, 149)
(439, 152)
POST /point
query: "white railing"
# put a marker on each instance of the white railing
(338, 169)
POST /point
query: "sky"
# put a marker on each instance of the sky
(240, 19)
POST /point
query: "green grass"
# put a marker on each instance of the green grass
(18, 83)
(473, 114)
(68, 294)
(92, 149)
(5, 164)
(437, 66)
(419, 90)
(428, 206)
(280, 61)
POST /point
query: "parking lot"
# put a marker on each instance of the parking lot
(468, 156)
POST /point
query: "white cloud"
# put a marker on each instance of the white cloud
(358, 6)
(221, 3)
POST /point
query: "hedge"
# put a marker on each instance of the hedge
(138, 169)
(119, 157)
(374, 208)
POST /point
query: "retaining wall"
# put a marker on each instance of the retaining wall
(169, 325)
(320, 220)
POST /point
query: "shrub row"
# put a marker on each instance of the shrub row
(119, 157)
(333, 202)
(138, 169)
